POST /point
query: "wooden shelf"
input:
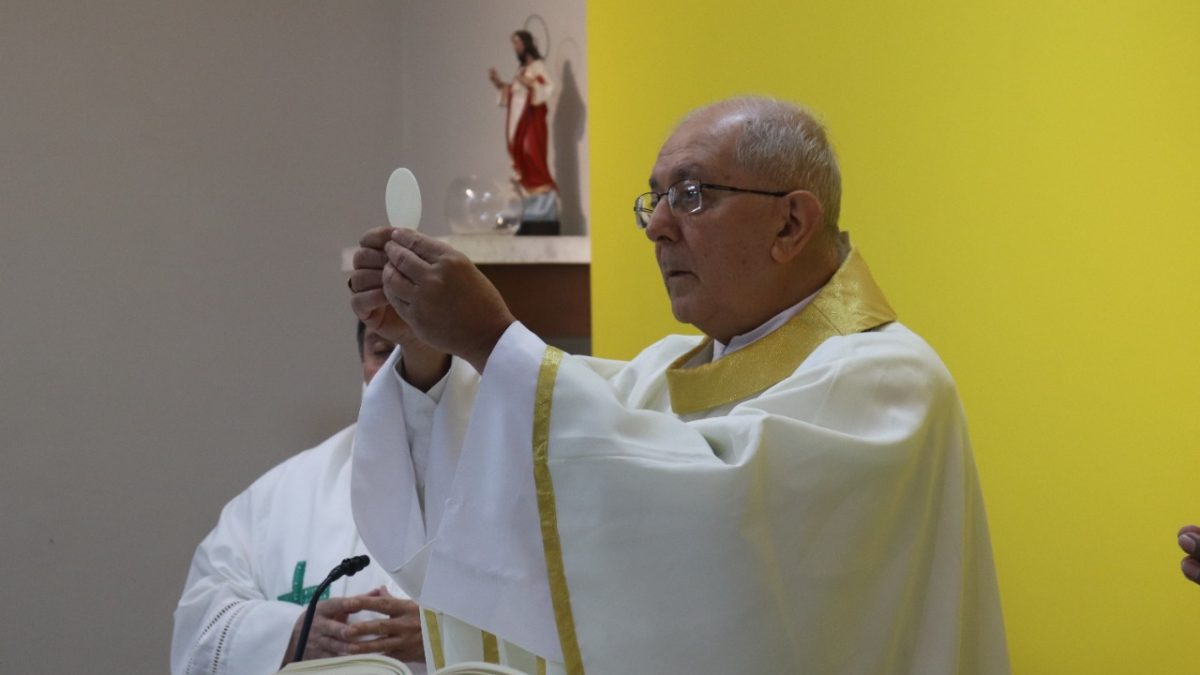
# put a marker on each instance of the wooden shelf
(551, 300)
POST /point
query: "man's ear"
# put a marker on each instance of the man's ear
(801, 221)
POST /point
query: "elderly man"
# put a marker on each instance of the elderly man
(254, 574)
(792, 493)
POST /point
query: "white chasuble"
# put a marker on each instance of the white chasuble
(806, 504)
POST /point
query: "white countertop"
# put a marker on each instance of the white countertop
(488, 249)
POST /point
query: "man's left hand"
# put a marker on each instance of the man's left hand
(443, 297)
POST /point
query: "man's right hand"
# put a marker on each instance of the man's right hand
(366, 288)
(423, 365)
(329, 632)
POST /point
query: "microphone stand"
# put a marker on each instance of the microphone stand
(347, 568)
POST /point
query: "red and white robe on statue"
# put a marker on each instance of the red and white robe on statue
(526, 126)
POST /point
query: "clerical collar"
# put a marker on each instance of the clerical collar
(746, 339)
(849, 303)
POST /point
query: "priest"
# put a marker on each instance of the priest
(243, 605)
(793, 492)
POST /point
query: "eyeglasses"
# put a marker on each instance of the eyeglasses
(686, 196)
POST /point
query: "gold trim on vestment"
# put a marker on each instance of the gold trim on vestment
(435, 639)
(547, 511)
(491, 648)
(849, 303)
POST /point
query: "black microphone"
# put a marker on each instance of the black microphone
(347, 568)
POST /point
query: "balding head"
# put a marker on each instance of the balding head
(781, 142)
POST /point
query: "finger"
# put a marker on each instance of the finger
(326, 608)
(383, 645)
(370, 628)
(342, 606)
(370, 258)
(331, 645)
(1190, 542)
(396, 627)
(408, 263)
(364, 631)
(325, 636)
(398, 289)
(376, 237)
(313, 650)
(369, 307)
(366, 279)
(1191, 569)
(379, 592)
(334, 629)
(425, 247)
(392, 606)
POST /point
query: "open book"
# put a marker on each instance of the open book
(365, 664)
(378, 664)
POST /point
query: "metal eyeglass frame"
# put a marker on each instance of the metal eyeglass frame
(643, 211)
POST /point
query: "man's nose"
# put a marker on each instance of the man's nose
(663, 222)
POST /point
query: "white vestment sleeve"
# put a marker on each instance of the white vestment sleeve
(383, 484)
(387, 484)
(223, 623)
(487, 564)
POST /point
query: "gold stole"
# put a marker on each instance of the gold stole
(849, 303)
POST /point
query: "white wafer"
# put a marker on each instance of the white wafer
(403, 200)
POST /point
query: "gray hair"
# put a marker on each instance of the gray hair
(787, 145)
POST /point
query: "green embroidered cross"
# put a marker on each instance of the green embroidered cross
(301, 595)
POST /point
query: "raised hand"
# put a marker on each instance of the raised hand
(422, 365)
(443, 297)
(366, 287)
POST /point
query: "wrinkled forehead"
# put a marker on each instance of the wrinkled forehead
(701, 148)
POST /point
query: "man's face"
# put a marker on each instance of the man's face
(713, 262)
(518, 46)
(376, 350)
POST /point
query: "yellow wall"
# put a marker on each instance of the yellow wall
(1025, 180)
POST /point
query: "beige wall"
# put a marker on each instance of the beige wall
(177, 181)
